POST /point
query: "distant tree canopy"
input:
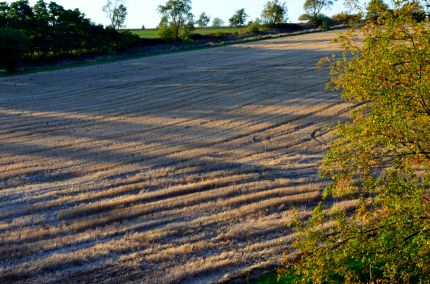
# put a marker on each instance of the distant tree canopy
(346, 18)
(203, 20)
(217, 22)
(313, 10)
(116, 12)
(177, 20)
(377, 8)
(274, 12)
(314, 7)
(55, 32)
(239, 18)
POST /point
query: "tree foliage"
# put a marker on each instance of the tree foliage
(13, 45)
(253, 27)
(55, 32)
(217, 22)
(380, 160)
(346, 18)
(313, 10)
(116, 12)
(203, 20)
(274, 12)
(375, 8)
(239, 18)
(177, 20)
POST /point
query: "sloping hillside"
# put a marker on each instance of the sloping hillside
(165, 169)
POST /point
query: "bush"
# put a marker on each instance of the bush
(14, 45)
(379, 159)
(321, 20)
(252, 28)
(345, 18)
(127, 39)
(288, 27)
(185, 33)
(305, 18)
(170, 32)
(166, 33)
(220, 35)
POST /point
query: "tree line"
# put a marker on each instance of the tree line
(177, 21)
(46, 32)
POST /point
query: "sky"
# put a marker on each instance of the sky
(144, 12)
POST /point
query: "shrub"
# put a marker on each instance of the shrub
(127, 39)
(305, 18)
(14, 44)
(380, 158)
(166, 32)
(253, 27)
(220, 35)
(345, 18)
(171, 32)
(320, 20)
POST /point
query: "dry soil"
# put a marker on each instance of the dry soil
(179, 168)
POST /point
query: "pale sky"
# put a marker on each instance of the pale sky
(144, 12)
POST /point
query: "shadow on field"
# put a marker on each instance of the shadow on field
(177, 125)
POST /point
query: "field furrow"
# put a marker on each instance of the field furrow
(178, 168)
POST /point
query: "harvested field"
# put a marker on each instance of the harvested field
(180, 168)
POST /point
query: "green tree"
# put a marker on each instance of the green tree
(41, 38)
(14, 45)
(120, 15)
(375, 8)
(346, 18)
(274, 12)
(54, 32)
(239, 18)
(116, 12)
(21, 15)
(313, 9)
(379, 162)
(203, 20)
(305, 18)
(217, 22)
(4, 17)
(177, 20)
(40, 10)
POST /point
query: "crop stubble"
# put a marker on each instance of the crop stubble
(174, 168)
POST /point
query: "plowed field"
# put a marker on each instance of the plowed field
(178, 168)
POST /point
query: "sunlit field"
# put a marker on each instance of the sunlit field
(179, 168)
